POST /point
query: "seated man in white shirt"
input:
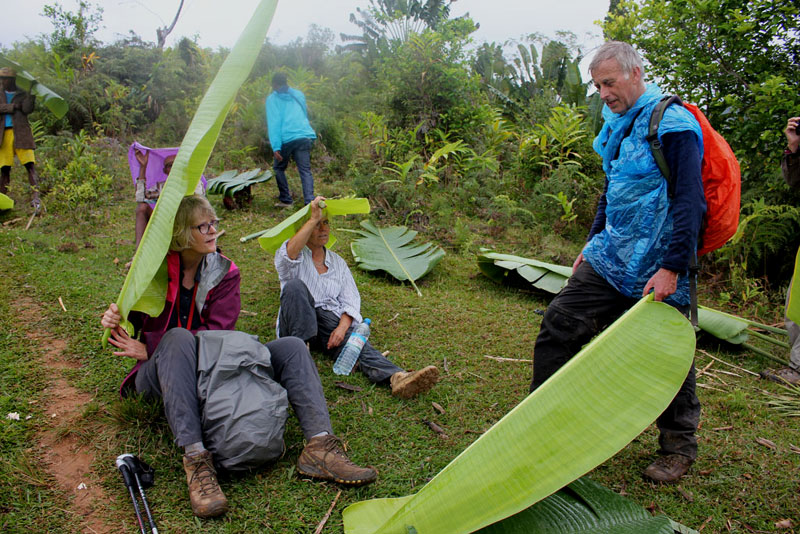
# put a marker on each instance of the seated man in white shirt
(320, 304)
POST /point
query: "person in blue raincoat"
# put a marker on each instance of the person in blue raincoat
(644, 235)
(291, 137)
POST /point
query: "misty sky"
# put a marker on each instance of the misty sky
(218, 23)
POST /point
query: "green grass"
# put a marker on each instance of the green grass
(736, 484)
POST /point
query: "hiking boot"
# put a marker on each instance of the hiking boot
(783, 375)
(323, 458)
(204, 491)
(668, 469)
(282, 204)
(406, 385)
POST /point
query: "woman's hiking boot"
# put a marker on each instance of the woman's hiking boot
(204, 491)
(410, 384)
(324, 458)
(668, 468)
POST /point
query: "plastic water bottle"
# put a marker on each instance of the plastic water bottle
(349, 353)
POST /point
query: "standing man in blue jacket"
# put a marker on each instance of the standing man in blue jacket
(644, 234)
(291, 136)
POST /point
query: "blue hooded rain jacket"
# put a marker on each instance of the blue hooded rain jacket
(638, 229)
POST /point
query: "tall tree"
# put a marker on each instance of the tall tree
(736, 58)
(73, 33)
(162, 33)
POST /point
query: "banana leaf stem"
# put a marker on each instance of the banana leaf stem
(765, 354)
(773, 329)
(247, 238)
(772, 340)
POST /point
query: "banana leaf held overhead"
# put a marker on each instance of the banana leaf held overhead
(272, 238)
(144, 288)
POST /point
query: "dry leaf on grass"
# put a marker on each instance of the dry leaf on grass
(348, 387)
(767, 443)
(436, 428)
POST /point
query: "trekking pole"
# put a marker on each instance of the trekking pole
(135, 466)
(126, 477)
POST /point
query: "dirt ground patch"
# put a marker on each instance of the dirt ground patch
(67, 460)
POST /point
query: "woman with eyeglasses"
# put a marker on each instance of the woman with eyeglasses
(203, 294)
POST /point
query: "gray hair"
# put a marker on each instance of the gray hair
(192, 208)
(623, 53)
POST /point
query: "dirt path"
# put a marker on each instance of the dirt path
(65, 458)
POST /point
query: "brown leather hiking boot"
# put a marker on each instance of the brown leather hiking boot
(668, 469)
(406, 385)
(323, 458)
(204, 491)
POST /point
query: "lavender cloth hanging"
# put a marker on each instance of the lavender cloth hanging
(154, 174)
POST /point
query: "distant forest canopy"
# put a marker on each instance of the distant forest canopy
(410, 105)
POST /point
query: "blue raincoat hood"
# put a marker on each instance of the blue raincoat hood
(638, 230)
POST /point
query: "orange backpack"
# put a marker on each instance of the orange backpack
(722, 181)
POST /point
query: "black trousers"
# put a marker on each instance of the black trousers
(585, 307)
(298, 317)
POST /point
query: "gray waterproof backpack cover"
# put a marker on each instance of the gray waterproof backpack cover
(243, 409)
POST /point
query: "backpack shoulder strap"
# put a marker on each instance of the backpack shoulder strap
(652, 135)
(299, 103)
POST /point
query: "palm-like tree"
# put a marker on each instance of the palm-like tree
(388, 22)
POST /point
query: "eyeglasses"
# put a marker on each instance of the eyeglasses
(205, 227)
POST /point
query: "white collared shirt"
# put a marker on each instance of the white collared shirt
(334, 290)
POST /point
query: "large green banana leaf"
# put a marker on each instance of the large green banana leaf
(272, 239)
(6, 203)
(584, 507)
(584, 414)
(389, 249)
(143, 290)
(26, 81)
(545, 276)
(230, 182)
(793, 310)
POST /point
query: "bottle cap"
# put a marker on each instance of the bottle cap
(367, 320)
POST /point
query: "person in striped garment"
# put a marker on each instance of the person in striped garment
(321, 305)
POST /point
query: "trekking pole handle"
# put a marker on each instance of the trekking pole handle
(126, 477)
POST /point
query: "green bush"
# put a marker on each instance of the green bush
(77, 181)
(565, 180)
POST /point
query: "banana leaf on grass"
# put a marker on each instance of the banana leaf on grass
(6, 203)
(575, 421)
(390, 249)
(230, 182)
(272, 238)
(506, 267)
(586, 506)
(737, 331)
(144, 288)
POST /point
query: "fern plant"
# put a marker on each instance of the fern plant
(38, 131)
(766, 237)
